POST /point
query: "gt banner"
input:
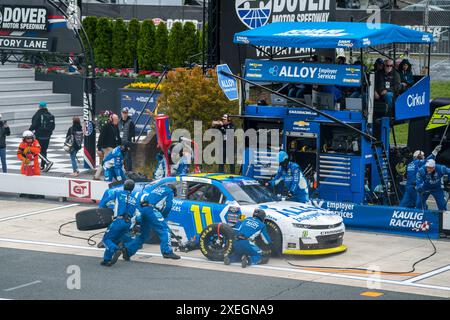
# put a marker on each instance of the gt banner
(439, 118)
(415, 102)
(316, 73)
(396, 220)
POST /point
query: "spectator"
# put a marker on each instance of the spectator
(387, 84)
(28, 152)
(378, 65)
(4, 131)
(76, 131)
(43, 124)
(108, 139)
(397, 64)
(341, 60)
(225, 125)
(406, 75)
(127, 132)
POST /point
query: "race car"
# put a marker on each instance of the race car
(206, 199)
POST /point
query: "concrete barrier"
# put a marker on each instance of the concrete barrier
(52, 186)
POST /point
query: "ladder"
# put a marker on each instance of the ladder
(385, 173)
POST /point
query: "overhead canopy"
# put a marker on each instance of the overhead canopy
(330, 35)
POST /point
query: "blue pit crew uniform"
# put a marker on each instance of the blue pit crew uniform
(182, 166)
(294, 182)
(152, 217)
(409, 199)
(124, 210)
(246, 233)
(161, 170)
(431, 184)
(113, 165)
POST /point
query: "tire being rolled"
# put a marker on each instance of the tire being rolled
(93, 219)
(216, 240)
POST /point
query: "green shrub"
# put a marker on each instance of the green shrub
(134, 28)
(190, 41)
(103, 43)
(146, 45)
(161, 43)
(175, 53)
(119, 37)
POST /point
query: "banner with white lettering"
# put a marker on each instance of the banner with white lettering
(25, 43)
(247, 14)
(36, 25)
(314, 73)
(23, 18)
(414, 102)
(397, 220)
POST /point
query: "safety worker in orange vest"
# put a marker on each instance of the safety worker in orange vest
(28, 153)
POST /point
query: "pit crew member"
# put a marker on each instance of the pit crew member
(429, 182)
(244, 248)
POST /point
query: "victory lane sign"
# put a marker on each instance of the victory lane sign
(24, 43)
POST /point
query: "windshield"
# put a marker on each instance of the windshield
(249, 192)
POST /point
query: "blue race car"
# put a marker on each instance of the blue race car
(204, 199)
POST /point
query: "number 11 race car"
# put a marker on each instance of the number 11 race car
(205, 200)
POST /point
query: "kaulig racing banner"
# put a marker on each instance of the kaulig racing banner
(396, 220)
(414, 102)
(314, 73)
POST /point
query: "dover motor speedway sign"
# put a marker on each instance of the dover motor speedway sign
(23, 18)
(316, 73)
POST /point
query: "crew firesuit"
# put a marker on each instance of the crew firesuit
(124, 210)
(291, 175)
(28, 152)
(154, 205)
(113, 164)
(429, 182)
(246, 234)
(409, 199)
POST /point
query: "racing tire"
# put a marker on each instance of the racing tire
(275, 236)
(216, 240)
(93, 219)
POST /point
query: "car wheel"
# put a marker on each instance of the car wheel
(93, 219)
(275, 236)
(216, 240)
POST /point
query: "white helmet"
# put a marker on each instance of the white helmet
(27, 134)
(418, 153)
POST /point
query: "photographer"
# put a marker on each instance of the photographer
(4, 131)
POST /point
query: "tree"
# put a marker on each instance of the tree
(188, 95)
(175, 53)
(134, 27)
(119, 37)
(102, 43)
(90, 26)
(146, 45)
(161, 43)
(190, 42)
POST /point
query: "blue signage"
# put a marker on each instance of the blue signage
(313, 73)
(397, 220)
(228, 84)
(414, 102)
(135, 100)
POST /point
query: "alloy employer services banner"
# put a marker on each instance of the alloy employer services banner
(314, 73)
(414, 102)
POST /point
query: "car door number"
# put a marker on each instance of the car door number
(198, 212)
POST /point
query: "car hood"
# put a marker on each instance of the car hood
(297, 212)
